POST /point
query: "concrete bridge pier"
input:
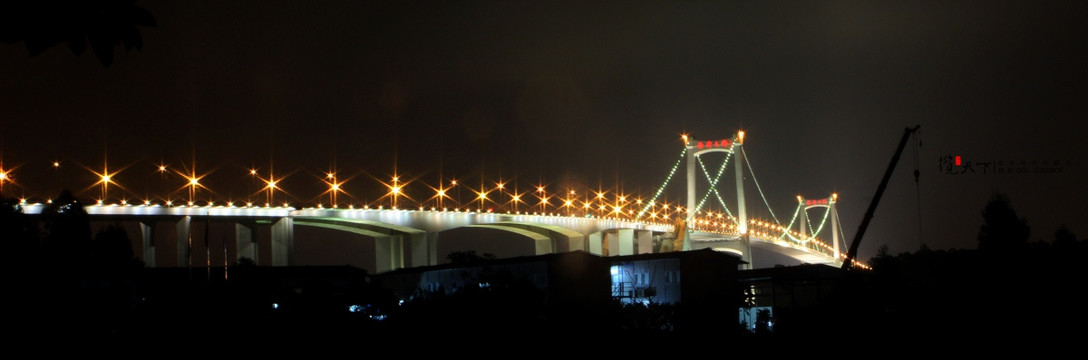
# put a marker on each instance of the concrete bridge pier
(620, 242)
(147, 238)
(645, 241)
(245, 239)
(424, 248)
(185, 241)
(283, 241)
(389, 252)
(595, 244)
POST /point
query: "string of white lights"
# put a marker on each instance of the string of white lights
(663, 186)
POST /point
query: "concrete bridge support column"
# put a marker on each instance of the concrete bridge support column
(389, 253)
(283, 241)
(595, 245)
(424, 249)
(185, 242)
(147, 238)
(645, 241)
(624, 243)
(574, 244)
(245, 237)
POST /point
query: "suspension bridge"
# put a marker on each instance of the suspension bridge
(408, 237)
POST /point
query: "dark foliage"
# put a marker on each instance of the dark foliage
(102, 24)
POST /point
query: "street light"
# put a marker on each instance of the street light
(3, 179)
(395, 190)
(270, 188)
(441, 193)
(482, 196)
(543, 198)
(334, 188)
(453, 184)
(105, 178)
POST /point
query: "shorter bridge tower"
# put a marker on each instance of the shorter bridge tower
(832, 212)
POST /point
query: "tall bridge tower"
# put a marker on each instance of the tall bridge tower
(733, 146)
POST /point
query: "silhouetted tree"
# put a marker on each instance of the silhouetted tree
(1064, 238)
(112, 254)
(67, 231)
(1002, 229)
(104, 24)
(19, 233)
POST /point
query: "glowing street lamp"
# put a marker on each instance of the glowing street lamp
(335, 187)
(3, 179)
(270, 189)
(543, 196)
(395, 190)
(453, 184)
(105, 178)
(482, 196)
(441, 193)
(194, 182)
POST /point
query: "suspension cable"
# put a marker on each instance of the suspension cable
(749, 163)
(663, 186)
(786, 232)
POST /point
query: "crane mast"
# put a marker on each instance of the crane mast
(848, 262)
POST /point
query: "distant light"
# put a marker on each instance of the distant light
(275, 305)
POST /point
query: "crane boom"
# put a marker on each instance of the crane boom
(848, 262)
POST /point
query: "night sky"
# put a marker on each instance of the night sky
(579, 94)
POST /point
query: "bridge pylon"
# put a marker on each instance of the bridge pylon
(732, 146)
(832, 212)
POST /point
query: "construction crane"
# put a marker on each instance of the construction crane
(851, 254)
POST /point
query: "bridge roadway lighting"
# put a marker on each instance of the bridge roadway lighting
(543, 198)
(515, 198)
(270, 188)
(194, 182)
(255, 180)
(334, 188)
(3, 179)
(105, 178)
(453, 184)
(440, 194)
(395, 190)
